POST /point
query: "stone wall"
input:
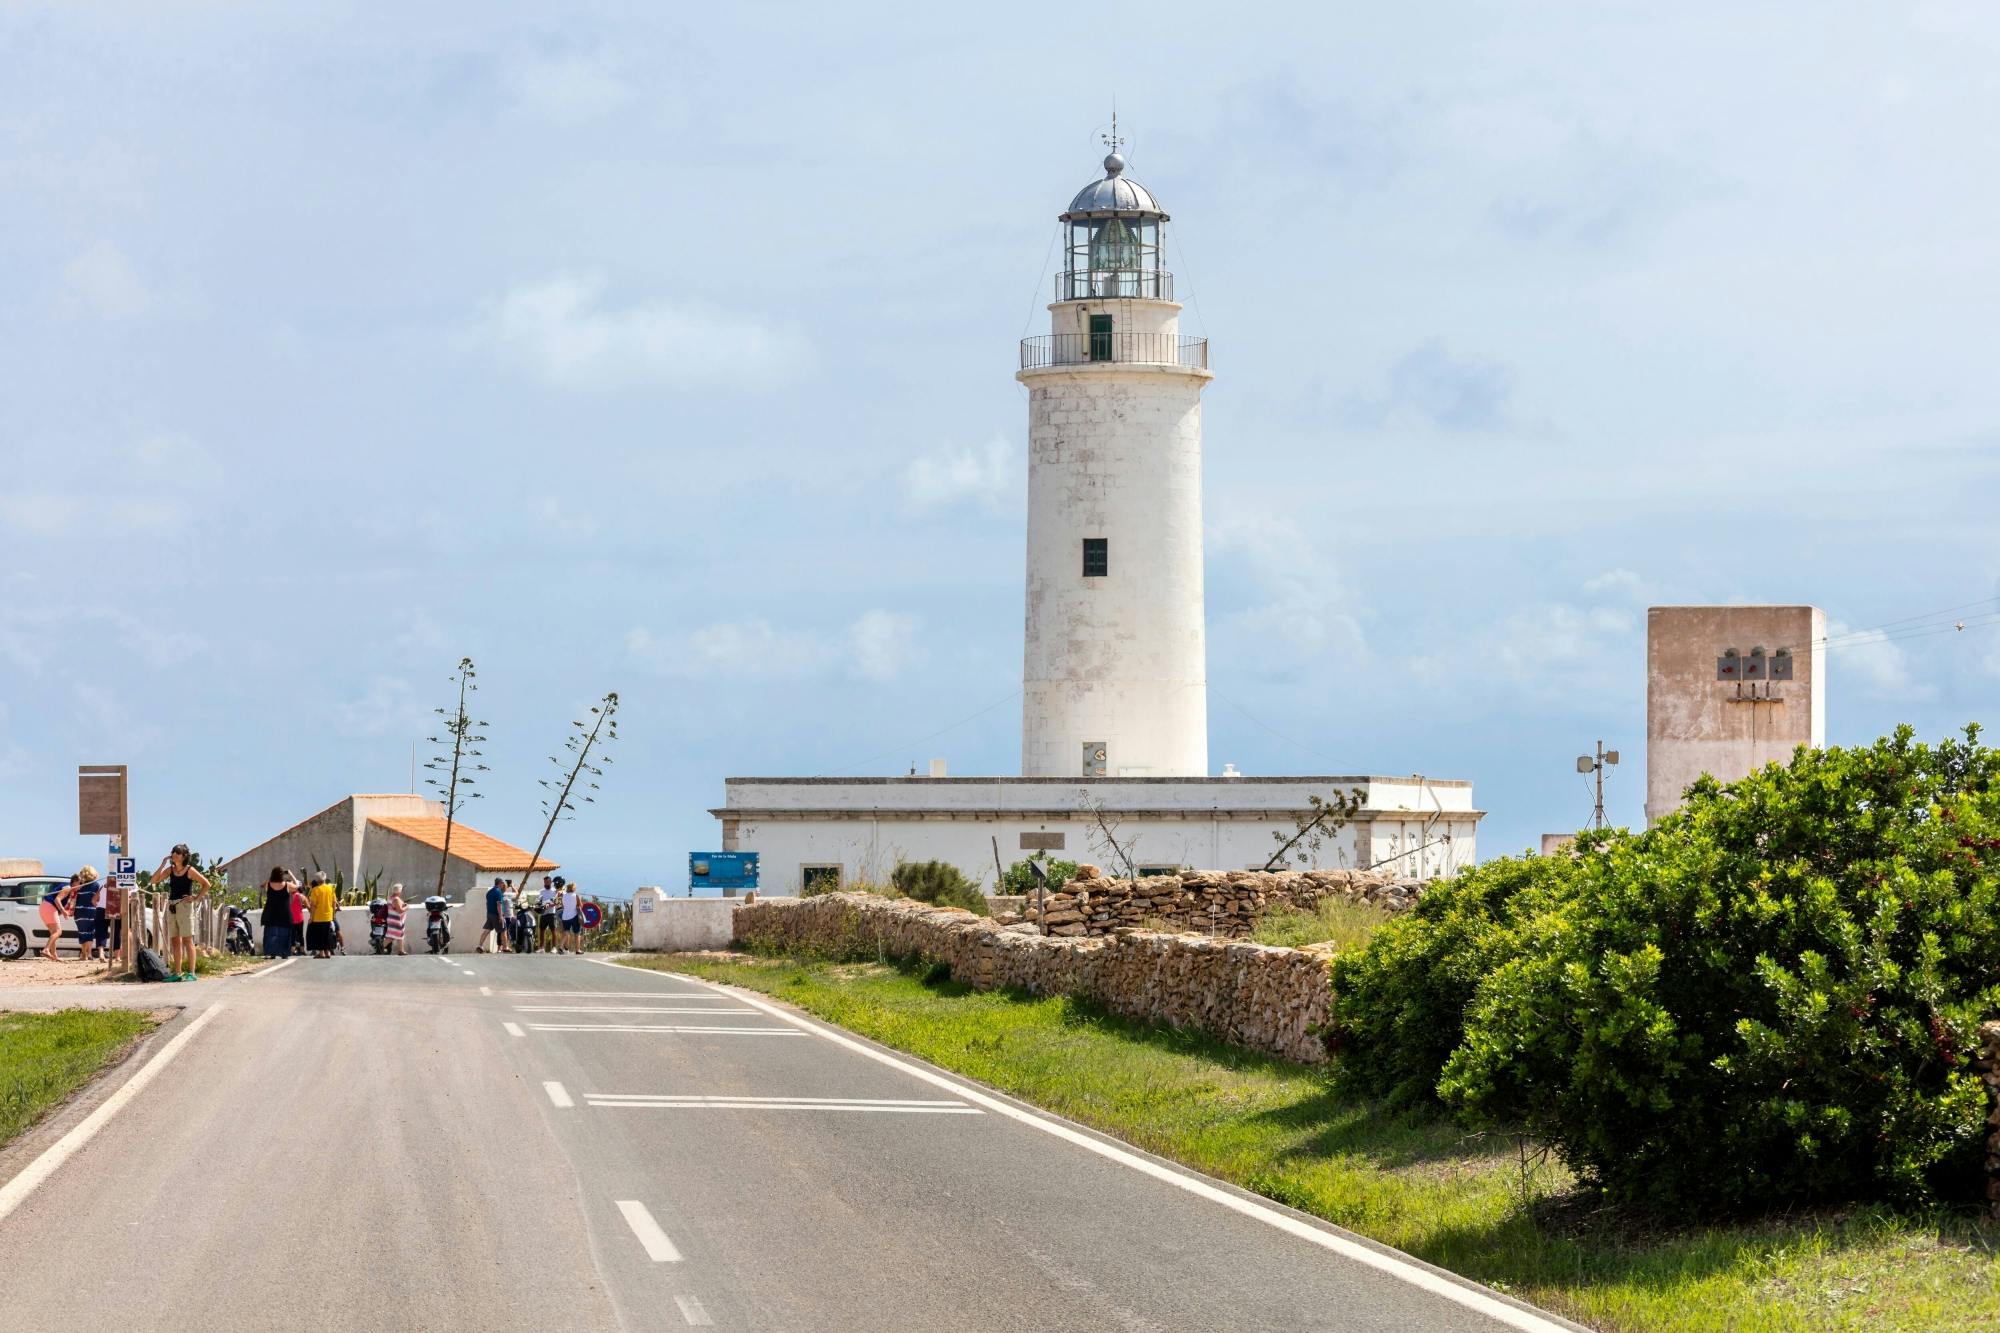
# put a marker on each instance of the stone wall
(1269, 999)
(1988, 1063)
(1220, 902)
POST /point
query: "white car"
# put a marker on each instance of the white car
(21, 927)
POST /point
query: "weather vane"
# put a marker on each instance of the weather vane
(1112, 140)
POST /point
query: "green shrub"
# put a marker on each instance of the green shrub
(1399, 1002)
(1334, 921)
(1019, 879)
(1771, 998)
(939, 883)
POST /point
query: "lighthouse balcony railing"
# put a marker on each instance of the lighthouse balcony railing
(1110, 284)
(1082, 349)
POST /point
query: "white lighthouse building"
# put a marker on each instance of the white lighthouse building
(1114, 719)
(1115, 679)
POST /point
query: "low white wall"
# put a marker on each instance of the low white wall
(675, 925)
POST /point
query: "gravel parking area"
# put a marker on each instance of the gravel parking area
(37, 971)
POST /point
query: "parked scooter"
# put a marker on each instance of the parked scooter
(437, 926)
(378, 925)
(521, 928)
(238, 939)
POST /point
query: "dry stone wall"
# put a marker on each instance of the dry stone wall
(1269, 999)
(1221, 902)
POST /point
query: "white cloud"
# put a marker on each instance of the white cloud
(389, 704)
(1872, 666)
(563, 332)
(881, 644)
(568, 89)
(14, 758)
(1300, 604)
(101, 281)
(988, 477)
(878, 646)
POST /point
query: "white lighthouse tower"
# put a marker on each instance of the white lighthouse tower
(1115, 679)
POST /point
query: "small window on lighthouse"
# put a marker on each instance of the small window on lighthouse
(1096, 557)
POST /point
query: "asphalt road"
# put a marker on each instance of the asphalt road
(547, 1142)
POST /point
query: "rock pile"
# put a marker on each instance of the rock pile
(1268, 999)
(1218, 902)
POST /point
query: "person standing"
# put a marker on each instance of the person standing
(53, 903)
(183, 881)
(277, 919)
(83, 906)
(298, 914)
(495, 929)
(110, 912)
(545, 915)
(572, 919)
(322, 902)
(397, 911)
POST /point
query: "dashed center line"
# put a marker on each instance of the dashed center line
(514, 1029)
(692, 1311)
(638, 1027)
(488, 990)
(752, 1102)
(654, 1241)
(558, 1094)
(624, 1009)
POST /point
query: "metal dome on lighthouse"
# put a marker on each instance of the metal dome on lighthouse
(1117, 234)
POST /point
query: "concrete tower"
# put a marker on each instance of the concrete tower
(1115, 679)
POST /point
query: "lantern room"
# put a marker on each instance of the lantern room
(1117, 238)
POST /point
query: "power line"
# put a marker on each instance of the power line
(905, 747)
(1317, 754)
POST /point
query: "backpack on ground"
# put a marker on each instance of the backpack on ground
(152, 967)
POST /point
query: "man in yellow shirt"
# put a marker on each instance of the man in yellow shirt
(321, 902)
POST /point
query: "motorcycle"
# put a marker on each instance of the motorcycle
(437, 925)
(522, 928)
(378, 925)
(238, 938)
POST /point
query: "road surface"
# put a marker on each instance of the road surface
(548, 1142)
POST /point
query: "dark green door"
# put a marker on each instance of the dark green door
(1100, 337)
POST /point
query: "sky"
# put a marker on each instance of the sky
(669, 350)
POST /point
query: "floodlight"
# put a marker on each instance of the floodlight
(1584, 763)
(1611, 756)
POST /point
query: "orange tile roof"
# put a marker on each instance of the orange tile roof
(485, 852)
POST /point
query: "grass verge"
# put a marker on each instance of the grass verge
(1334, 921)
(44, 1058)
(1473, 1204)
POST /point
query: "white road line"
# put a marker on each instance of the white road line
(514, 1029)
(692, 1311)
(635, 1027)
(469, 972)
(39, 1170)
(625, 994)
(485, 990)
(1393, 1263)
(611, 1098)
(267, 971)
(775, 1105)
(623, 1009)
(558, 1094)
(658, 1248)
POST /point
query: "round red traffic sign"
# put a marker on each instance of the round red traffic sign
(592, 915)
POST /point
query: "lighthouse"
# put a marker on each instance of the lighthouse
(1115, 670)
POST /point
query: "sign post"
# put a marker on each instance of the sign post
(102, 807)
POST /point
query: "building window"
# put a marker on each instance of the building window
(1100, 338)
(818, 879)
(1096, 557)
(1096, 759)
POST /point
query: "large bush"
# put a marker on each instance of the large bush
(937, 882)
(1399, 1002)
(1770, 998)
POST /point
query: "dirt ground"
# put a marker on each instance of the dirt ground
(35, 970)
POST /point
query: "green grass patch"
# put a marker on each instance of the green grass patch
(1475, 1204)
(1334, 921)
(46, 1057)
